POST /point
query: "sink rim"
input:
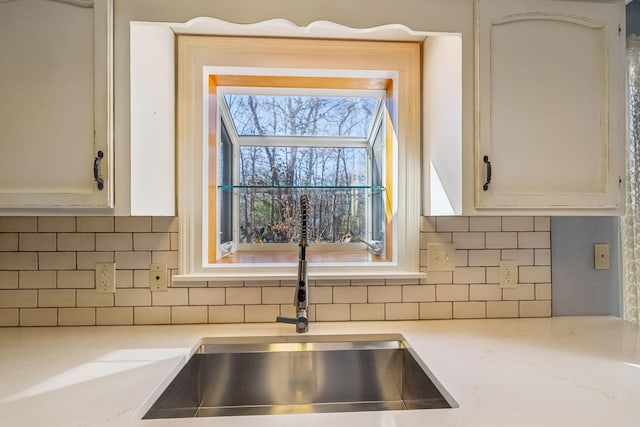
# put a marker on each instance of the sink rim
(298, 343)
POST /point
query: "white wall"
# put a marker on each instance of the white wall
(454, 16)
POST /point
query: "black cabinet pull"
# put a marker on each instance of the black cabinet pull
(486, 161)
(97, 173)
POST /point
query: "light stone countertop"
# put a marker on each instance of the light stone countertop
(565, 371)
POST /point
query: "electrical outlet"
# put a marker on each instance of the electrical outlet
(601, 256)
(158, 277)
(106, 277)
(508, 274)
(441, 257)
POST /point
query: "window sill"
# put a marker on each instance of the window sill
(284, 273)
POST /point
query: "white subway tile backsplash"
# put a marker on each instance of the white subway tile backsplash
(452, 292)
(151, 315)
(452, 223)
(538, 274)
(501, 240)
(151, 242)
(9, 317)
(427, 224)
(542, 257)
(114, 241)
(350, 294)
(207, 296)
(542, 223)
(91, 298)
(56, 261)
(88, 260)
(543, 291)
(244, 296)
(37, 279)
(164, 224)
(56, 298)
(132, 297)
(124, 278)
(485, 223)
(485, 257)
(9, 279)
(9, 242)
(385, 294)
(47, 276)
(535, 240)
(138, 260)
(332, 312)
(59, 224)
(38, 242)
(318, 295)
(78, 279)
(172, 296)
(502, 309)
(485, 293)
(18, 261)
(469, 275)
(418, 293)
(77, 316)
(367, 311)
(76, 241)
(114, 316)
(38, 317)
(18, 298)
(189, 314)
(438, 277)
(524, 291)
(133, 224)
(261, 313)
(469, 310)
(18, 224)
(402, 311)
(517, 223)
(277, 295)
(521, 256)
(165, 257)
(436, 310)
(535, 308)
(95, 224)
(226, 314)
(469, 240)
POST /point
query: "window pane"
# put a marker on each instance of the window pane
(226, 178)
(330, 116)
(273, 178)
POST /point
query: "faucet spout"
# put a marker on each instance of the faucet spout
(301, 296)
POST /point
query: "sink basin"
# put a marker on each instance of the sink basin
(300, 374)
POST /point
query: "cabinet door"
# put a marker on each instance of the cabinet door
(55, 103)
(550, 104)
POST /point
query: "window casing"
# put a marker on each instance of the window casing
(200, 58)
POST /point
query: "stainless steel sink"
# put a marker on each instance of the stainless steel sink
(300, 374)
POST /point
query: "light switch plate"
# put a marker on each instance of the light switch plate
(508, 274)
(601, 256)
(158, 277)
(441, 257)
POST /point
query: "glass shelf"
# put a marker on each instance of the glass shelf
(375, 188)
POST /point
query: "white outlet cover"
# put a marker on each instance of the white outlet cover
(441, 257)
(106, 277)
(158, 277)
(508, 274)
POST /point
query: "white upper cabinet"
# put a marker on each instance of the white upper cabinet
(550, 108)
(55, 104)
